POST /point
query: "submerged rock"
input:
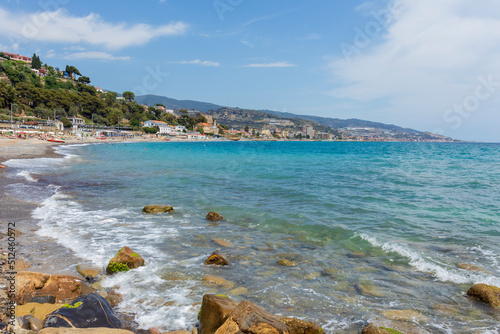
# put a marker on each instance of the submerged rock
(405, 315)
(238, 291)
(125, 260)
(372, 329)
(157, 208)
(217, 259)
(286, 263)
(471, 267)
(250, 318)
(215, 310)
(487, 293)
(212, 280)
(31, 284)
(224, 243)
(214, 216)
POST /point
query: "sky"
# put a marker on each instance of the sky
(423, 64)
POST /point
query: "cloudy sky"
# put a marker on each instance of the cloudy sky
(425, 64)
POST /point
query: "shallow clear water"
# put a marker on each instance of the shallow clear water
(371, 226)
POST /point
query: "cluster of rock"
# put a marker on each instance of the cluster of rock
(53, 304)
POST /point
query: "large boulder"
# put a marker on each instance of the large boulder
(217, 259)
(61, 287)
(125, 260)
(252, 319)
(214, 216)
(157, 208)
(487, 293)
(214, 312)
(85, 312)
(297, 326)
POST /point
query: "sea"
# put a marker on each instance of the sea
(376, 231)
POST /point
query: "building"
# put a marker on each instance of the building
(76, 121)
(208, 128)
(308, 131)
(162, 127)
(14, 56)
(324, 135)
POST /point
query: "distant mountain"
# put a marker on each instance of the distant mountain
(337, 123)
(175, 104)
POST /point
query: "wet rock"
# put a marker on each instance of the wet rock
(114, 298)
(61, 287)
(97, 286)
(44, 299)
(224, 243)
(487, 293)
(404, 315)
(471, 267)
(250, 318)
(88, 270)
(39, 311)
(372, 329)
(84, 312)
(157, 208)
(297, 326)
(84, 331)
(313, 275)
(368, 289)
(217, 259)
(22, 322)
(215, 310)
(238, 291)
(125, 260)
(286, 263)
(214, 216)
(357, 255)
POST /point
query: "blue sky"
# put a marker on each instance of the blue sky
(432, 66)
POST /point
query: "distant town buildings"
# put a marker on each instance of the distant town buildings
(14, 56)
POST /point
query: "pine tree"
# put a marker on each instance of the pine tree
(36, 63)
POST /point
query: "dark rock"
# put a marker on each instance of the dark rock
(214, 312)
(214, 216)
(44, 299)
(217, 259)
(252, 319)
(157, 208)
(84, 312)
(297, 326)
(125, 260)
(487, 293)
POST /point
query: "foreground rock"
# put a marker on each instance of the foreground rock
(157, 208)
(84, 312)
(125, 260)
(487, 293)
(88, 270)
(297, 326)
(250, 318)
(214, 216)
(217, 259)
(39, 311)
(215, 310)
(30, 285)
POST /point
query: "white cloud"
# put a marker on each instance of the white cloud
(277, 64)
(428, 58)
(197, 62)
(94, 55)
(61, 27)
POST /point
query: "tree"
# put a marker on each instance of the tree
(150, 130)
(200, 129)
(247, 129)
(84, 80)
(36, 63)
(66, 123)
(71, 70)
(129, 96)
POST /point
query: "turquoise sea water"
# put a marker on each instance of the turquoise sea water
(372, 227)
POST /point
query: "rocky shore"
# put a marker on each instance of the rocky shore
(52, 298)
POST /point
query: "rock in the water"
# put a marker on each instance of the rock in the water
(212, 280)
(405, 315)
(224, 243)
(214, 216)
(487, 293)
(30, 284)
(114, 298)
(84, 312)
(238, 291)
(214, 312)
(125, 260)
(297, 326)
(217, 259)
(286, 263)
(84, 331)
(158, 208)
(39, 311)
(471, 267)
(250, 318)
(88, 270)
(372, 329)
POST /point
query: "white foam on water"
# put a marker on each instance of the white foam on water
(27, 175)
(429, 265)
(493, 258)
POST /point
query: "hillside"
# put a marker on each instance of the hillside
(170, 103)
